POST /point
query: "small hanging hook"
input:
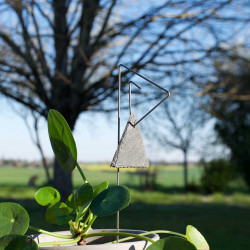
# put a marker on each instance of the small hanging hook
(130, 108)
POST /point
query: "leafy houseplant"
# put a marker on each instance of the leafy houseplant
(81, 208)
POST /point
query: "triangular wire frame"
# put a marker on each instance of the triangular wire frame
(154, 84)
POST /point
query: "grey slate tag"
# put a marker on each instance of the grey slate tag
(130, 152)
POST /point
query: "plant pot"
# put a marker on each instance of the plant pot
(97, 242)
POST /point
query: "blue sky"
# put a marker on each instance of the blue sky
(94, 142)
(95, 135)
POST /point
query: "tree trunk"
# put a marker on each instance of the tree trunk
(39, 146)
(62, 181)
(185, 166)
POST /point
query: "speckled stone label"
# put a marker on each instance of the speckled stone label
(130, 152)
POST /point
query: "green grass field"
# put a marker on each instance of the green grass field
(223, 218)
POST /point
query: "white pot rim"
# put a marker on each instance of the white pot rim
(129, 245)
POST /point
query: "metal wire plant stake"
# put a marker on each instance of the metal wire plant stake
(130, 152)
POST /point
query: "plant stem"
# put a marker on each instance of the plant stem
(85, 222)
(89, 225)
(81, 172)
(71, 224)
(139, 236)
(151, 232)
(167, 232)
(68, 242)
(52, 234)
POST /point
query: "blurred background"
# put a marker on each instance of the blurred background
(64, 54)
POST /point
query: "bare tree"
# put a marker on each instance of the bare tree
(178, 125)
(34, 135)
(229, 82)
(228, 100)
(36, 140)
(62, 54)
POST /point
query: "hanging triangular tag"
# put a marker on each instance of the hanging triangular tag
(130, 152)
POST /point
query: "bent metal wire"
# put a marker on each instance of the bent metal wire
(130, 108)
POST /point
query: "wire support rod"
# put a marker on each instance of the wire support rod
(130, 110)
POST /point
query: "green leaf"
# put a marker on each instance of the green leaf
(195, 237)
(104, 185)
(14, 219)
(70, 202)
(47, 196)
(17, 242)
(62, 141)
(172, 243)
(82, 195)
(110, 201)
(56, 210)
(82, 211)
(63, 219)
